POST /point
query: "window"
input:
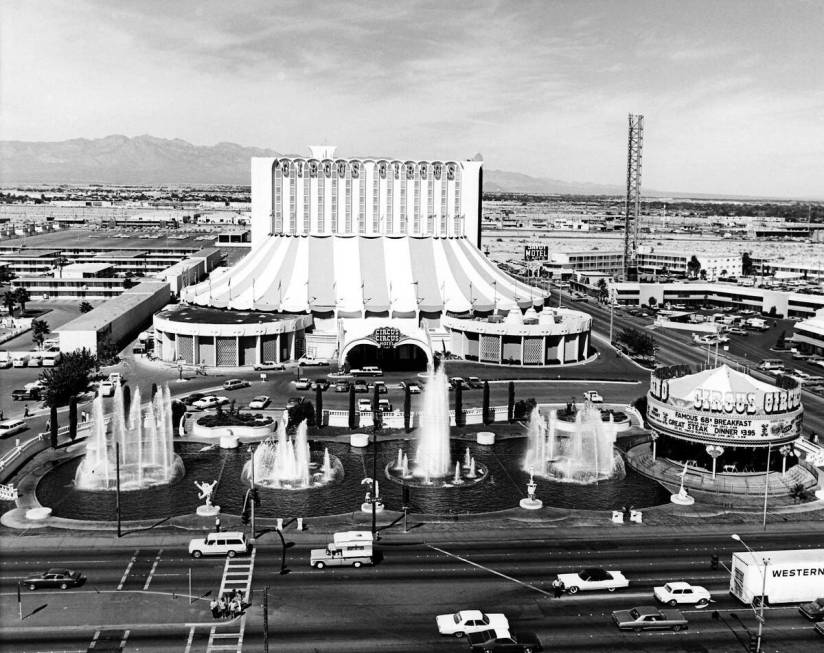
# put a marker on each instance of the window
(347, 198)
(277, 227)
(404, 206)
(307, 201)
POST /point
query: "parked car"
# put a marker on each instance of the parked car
(814, 611)
(61, 578)
(474, 382)
(384, 405)
(360, 386)
(303, 384)
(293, 401)
(489, 641)
(456, 381)
(364, 405)
(259, 402)
(649, 618)
(305, 360)
(414, 388)
(460, 623)
(269, 365)
(593, 396)
(224, 543)
(192, 398)
(21, 394)
(235, 384)
(380, 385)
(593, 578)
(323, 384)
(342, 386)
(679, 593)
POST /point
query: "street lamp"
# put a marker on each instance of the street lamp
(759, 616)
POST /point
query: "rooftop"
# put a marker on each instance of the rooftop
(114, 239)
(114, 308)
(207, 315)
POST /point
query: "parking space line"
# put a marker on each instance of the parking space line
(128, 569)
(190, 640)
(152, 570)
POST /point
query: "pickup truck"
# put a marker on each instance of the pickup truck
(649, 618)
(27, 394)
(593, 396)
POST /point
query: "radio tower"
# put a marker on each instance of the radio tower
(632, 207)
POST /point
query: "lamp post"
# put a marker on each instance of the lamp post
(759, 616)
(766, 485)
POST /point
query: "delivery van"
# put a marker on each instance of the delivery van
(792, 576)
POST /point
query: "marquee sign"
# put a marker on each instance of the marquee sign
(725, 427)
(386, 337)
(536, 252)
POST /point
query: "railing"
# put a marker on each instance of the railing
(8, 493)
(14, 453)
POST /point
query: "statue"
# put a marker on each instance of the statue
(531, 503)
(206, 491)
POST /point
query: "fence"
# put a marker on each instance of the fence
(394, 419)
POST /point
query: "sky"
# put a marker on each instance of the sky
(732, 92)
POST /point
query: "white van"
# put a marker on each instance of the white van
(228, 543)
(771, 364)
(11, 426)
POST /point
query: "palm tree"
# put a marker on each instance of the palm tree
(60, 262)
(85, 307)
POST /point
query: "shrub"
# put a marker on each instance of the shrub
(523, 408)
(234, 419)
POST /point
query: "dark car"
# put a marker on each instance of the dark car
(342, 386)
(62, 578)
(22, 394)
(649, 618)
(814, 611)
(192, 398)
(323, 384)
(294, 401)
(361, 386)
(486, 641)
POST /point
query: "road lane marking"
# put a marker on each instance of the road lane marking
(190, 640)
(125, 638)
(491, 571)
(94, 639)
(152, 570)
(128, 569)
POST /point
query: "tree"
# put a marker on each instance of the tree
(39, 330)
(9, 300)
(107, 351)
(703, 274)
(6, 275)
(652, 302)
(70, 378)
(459, 405)
(603, 290)
(128, 283)
(510, 403)
(60, 262)
(693, 266)
(407, 409)
(485, 403)
(352, 416)
(318, 405)
(22, 296)
(302, 412)
(637, 342)
(85, 307)
(746, 264)
(781, 342)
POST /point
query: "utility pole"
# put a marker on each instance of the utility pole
(759, 616)
(266, 619)
(253, 493)
(117, 484)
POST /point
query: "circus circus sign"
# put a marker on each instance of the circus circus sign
(697, 425)
(386, 337)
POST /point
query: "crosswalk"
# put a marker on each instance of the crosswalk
(237, 574)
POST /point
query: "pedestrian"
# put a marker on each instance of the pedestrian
(2, 416)
(221, 607)
(215, 608)
(217, 524)
(26, 411)
(239, 596)
(236, 609)
(558, 587)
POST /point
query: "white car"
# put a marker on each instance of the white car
(364, 405)
(679, 593)
(303, 384)
(593, 578)
(305, 360)
(472, 621)
(210, 401)
(270, 365)
(106, 389)
(259, 402)
(594, 397)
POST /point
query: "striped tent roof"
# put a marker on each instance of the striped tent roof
(401, 275)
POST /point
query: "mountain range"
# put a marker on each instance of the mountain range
(147, 160)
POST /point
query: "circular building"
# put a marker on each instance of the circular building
(722, 420)
(369, 262)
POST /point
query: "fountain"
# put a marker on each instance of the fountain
(581, 452)
(286, 463)
(432, 457)
(147, 456)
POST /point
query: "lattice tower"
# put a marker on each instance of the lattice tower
(632, 206)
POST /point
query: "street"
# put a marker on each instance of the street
(392, 606)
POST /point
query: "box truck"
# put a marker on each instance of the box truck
(791, 576)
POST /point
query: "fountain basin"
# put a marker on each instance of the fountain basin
(366, 506)
(38, 514)
(228, 442)
(243, 431)
(485, 437)
(531, 504)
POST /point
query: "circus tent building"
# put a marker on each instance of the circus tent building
(370, 261)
